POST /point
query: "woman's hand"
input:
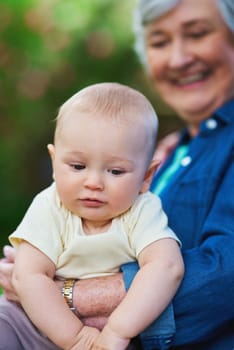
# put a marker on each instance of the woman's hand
(166, 146)
(6, 270)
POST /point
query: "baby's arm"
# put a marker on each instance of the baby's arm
(161, 271)
(42, 301)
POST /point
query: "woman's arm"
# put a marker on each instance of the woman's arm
(203, 301)
(202, 305)
(98, 296)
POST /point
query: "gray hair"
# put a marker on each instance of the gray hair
(149, 10)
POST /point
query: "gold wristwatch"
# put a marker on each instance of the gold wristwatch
(67, 292)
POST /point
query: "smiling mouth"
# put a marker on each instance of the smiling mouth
(191, 79)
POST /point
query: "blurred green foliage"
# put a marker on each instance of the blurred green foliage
(49, 49)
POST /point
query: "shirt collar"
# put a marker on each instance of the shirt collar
(223, 115)
(226, 112)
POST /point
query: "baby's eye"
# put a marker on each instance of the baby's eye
(116, 172)
(77, 166)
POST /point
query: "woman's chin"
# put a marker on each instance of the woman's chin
(197, 106)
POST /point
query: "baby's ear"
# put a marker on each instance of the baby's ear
(51, 151)
(149, 175)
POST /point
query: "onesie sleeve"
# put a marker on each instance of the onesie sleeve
(42, 225)
(147, 222)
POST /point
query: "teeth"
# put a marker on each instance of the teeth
(190, 79)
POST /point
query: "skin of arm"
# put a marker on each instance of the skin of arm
(33, 281)
(155, 284)
(95, 298)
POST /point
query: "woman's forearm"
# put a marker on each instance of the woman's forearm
(98, 296)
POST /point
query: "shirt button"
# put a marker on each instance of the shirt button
(211, 124)
(186, 161)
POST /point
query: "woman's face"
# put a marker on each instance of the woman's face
(190, 54)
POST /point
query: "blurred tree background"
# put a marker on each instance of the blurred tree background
(49, 49)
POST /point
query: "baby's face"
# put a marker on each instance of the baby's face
(99, 166)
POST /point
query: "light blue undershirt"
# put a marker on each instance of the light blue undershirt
(166, 176)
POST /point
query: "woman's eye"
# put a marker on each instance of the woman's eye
(78, 166)
(157, 44)
(199, 34)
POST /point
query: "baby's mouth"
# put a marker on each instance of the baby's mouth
(92, 202)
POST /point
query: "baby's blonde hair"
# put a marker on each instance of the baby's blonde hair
(113, 101)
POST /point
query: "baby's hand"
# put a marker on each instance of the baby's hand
(85, 338)
(109, 340)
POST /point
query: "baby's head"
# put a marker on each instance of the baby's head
(112, 103)
(104, 144)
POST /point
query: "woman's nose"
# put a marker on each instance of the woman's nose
(180, 55)
(94, 181)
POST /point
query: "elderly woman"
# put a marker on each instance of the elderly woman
(187, 48)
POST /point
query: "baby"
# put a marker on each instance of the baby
(97, 215)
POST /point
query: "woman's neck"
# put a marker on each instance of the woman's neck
(193, 129)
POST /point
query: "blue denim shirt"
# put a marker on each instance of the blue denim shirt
(199, 203)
